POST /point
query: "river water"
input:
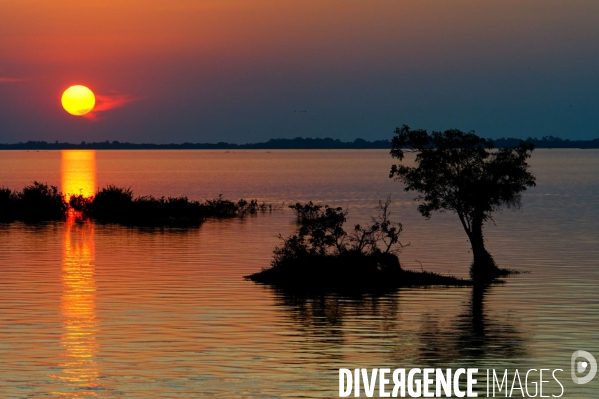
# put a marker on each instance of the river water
(102, 311)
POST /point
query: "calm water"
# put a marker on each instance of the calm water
(105, 311)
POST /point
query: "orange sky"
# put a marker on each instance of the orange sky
(197, 70)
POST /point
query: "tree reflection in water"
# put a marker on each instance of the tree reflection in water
(325, 317)
(472, 336)
(401, 335)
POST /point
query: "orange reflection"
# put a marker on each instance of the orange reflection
(78, 173)
(79, 377)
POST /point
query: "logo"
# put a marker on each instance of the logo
(581, 367)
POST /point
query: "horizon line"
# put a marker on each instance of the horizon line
(282, 143)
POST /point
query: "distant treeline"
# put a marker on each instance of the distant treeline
(548, 142)
(298, 143)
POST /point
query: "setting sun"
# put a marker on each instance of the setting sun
(78, 100)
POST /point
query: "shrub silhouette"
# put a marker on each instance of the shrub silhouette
(322, 256)
(220, 207)
(111, 203)
(39, 202)
(8, 205)
(79, 203)
(321, 232)
(116, 204)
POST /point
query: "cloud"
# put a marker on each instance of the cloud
(106, 103)
(9, 79)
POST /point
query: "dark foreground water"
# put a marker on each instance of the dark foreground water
(104, 311)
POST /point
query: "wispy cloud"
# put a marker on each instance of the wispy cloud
(10, 79)
(108, 102)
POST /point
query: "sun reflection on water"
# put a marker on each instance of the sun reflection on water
(78, 173)
(79, 369)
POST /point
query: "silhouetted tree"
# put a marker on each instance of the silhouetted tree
(462, 173)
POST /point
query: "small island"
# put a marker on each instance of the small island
(323, 257)
(452, 171)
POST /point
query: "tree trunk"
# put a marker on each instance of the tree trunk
(483, 269)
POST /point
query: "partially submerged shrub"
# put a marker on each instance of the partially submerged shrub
(41, 202)
(79, 203)
(8, 204)
(116, 204)
(111, 203)
(306, 211)
(219, 207)
(321, 232)
(37, 202)
(252, 207)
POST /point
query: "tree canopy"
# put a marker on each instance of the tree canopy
(463, 173)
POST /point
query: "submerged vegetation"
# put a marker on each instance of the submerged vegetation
(323, 256)
(40, 202)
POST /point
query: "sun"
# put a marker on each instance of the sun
(78, 100)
